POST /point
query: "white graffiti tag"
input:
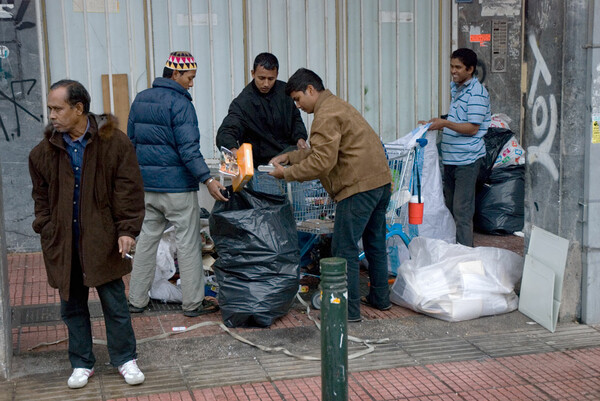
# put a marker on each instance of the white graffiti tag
(541, 153)
(4, 52)
(4, 11)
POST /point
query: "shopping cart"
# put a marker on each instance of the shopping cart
(404, 167)
(314, 210)
(312, 206)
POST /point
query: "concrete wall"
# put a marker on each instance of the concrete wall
(542, 95)
(590, 309)
(5, 313)
(20, 117)
(556, 129)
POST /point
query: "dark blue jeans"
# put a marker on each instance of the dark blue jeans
(363, 216)
(76, 315)
(459, 194)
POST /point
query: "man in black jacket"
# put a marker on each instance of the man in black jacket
(263, 115)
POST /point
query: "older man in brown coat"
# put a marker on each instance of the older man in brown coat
(89, 208)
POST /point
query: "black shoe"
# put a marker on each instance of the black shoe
(355, 320)
(365, 301)
(135, 309)
(207, 306)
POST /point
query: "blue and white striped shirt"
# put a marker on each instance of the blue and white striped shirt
(470, 103)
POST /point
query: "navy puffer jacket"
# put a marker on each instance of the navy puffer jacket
(164, 130)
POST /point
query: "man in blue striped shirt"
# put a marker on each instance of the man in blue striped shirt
(463, 147)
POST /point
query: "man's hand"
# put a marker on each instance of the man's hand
(214, 189)
(277, 162)
(436, 124)
(125, 245)
(277, 171)
(280, 159)
(302, 144)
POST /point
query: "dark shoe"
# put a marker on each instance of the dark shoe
(355, 320)
(365, 301)
(135, 309)
(207, 306)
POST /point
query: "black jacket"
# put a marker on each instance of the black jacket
(269, 122)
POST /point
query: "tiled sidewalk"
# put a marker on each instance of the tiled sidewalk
(568, 375)
(571, 375)
(29, 287)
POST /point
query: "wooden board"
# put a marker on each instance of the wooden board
(120, 96)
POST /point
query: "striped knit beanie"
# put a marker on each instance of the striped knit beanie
(181, 61)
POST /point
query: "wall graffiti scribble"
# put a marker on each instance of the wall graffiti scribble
(549, 118)
(11, 67)
(6, 13)
(17, 106)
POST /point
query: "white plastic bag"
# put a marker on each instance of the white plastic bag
(397, 252)
(500, 120)
(454, 282)
(511, 154)
(162, 289)
(437, 219)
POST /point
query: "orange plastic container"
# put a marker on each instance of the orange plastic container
(415, 211)
(245, 167)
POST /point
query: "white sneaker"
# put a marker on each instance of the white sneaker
(79, 377)
(131, 373)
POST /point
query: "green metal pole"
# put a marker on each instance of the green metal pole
(334, 329)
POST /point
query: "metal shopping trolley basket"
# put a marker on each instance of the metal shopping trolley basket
(401, 160)
(312, 206)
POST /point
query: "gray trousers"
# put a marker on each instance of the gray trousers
(459, 193)
(183, 211)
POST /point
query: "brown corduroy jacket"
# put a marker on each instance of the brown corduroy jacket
(345, 153)
(111, 203)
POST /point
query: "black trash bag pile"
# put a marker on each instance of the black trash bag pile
(494, 140)
(258, 265)
(500, 199)
(500, 204)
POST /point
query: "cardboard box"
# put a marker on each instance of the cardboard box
(245, 167)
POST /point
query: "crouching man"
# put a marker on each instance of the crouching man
(348, 158)
(89, 208)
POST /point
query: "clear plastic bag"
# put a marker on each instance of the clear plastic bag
(162, 289)
(454, 282)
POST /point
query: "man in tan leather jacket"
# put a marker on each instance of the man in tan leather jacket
(347, 156)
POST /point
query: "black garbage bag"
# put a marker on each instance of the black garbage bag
(258, 265)
(494, 139)
(500, 203)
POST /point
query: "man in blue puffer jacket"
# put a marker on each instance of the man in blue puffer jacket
(164, 130)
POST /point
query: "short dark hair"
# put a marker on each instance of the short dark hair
(167, 72)
(467, 57)
(76, 93)
(301, 79)
(267, 60)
